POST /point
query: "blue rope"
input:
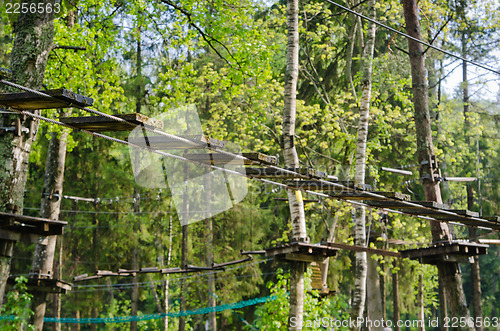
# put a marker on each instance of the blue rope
(126, 319)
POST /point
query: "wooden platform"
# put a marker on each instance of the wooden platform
(298, 251)
(223, 159)
(45, 284)
(29, 101)
(195, 142)
(461, 252)
(271, 173)
(101, 123)
(30, 225)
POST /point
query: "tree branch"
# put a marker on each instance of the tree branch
(75, 48)
(208, 38)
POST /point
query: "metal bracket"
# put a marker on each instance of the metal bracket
(4, 130)
(51, 195)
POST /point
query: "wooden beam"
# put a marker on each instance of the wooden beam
(223, 159)
(28, 101)
(369, 250)
(489, 241)
(397, 171)
(284, 174)
(400, 205)
(364, 196)
(314, 185)
(303, 258)
(459, 179)
(101, 123)
(163, 143)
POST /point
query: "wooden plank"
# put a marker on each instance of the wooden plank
(101, 123)
(30, 225)
(282, 174)
(223, 159)
(495, 219)
(416, 209)
(464, 212)
(462, 216)
(163, 143)
(324, 186)
(369, 250)
(10, 235)
(460, 179)
(354, 195)
(489, 241)
(397, 171)
(266, 159)
(273, 251)
(303, 257)
(456, 258)
(29, 101)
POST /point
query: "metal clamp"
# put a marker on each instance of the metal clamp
(6, 129)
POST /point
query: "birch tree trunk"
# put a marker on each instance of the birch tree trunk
(167, 281)
(291, 160)
(359, 295)
(420, 300)
(134, 298)
(449, 273)
(32, 44)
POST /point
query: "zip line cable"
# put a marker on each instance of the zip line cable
(236, 156)
(413, 38)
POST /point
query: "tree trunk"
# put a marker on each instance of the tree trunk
(359, 295)
(449, 273)
(134, 300)
(374, 298)
(443, 307)
(32, 44)
(212, 316)
(475, 275)
(382, 291)
(167, 281)
(291, 160)
(421, 316)
(43, 258)
(349, 55)
(395, 298)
